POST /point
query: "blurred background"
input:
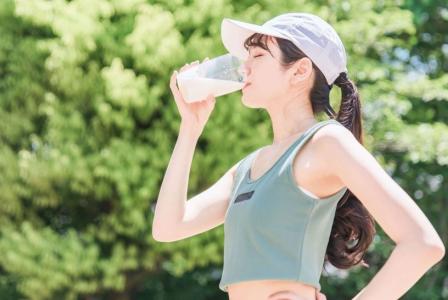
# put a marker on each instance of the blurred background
(88, 125)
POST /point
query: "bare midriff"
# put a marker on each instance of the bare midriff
(263, 289)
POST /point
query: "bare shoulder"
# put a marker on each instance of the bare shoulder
(346, 158)
(337, 147)
(334, 132)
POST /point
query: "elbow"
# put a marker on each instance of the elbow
(436, 250)
(439, 252)
(165, 232)
(154, 232)
(163, 238)
(157, 234)
(431, 249)
(158, 237)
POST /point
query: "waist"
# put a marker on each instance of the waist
(262, 289)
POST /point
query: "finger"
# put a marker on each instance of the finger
(173, 80)
(208, 101)
(175, 89)
(211, 99)
(184, 67)
(188, 65)
(192, 64)
(205, 59)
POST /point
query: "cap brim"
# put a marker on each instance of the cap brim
(234, 33)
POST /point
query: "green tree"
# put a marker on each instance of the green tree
(88, 124)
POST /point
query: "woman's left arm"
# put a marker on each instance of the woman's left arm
(418, 246)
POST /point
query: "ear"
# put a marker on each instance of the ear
(301, 70)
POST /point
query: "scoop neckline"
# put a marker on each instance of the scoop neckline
(248, 172)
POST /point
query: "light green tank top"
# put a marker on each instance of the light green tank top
(273, 229)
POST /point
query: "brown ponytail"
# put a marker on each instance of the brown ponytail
(353, 223)
(354, 227)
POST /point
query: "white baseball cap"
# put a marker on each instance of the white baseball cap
(311, 34)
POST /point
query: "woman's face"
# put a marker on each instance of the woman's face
(267, 79)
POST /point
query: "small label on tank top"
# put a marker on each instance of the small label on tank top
(244, 196)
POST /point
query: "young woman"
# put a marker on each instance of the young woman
(287, 211)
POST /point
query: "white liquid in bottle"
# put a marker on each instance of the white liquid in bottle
(197, 89)
(218, 77)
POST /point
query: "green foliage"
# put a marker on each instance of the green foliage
(88, 124)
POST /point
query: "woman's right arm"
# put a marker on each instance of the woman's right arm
(174, 217)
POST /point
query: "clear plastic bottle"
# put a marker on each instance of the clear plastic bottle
(218, 76)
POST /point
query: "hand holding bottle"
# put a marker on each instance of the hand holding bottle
(193, 115)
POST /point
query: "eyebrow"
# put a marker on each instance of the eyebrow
(250, 47)
(255, 47)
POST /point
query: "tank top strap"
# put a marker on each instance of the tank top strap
(298, 144)
(247, 161)
(242, 168)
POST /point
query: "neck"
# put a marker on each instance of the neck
(290, 121)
